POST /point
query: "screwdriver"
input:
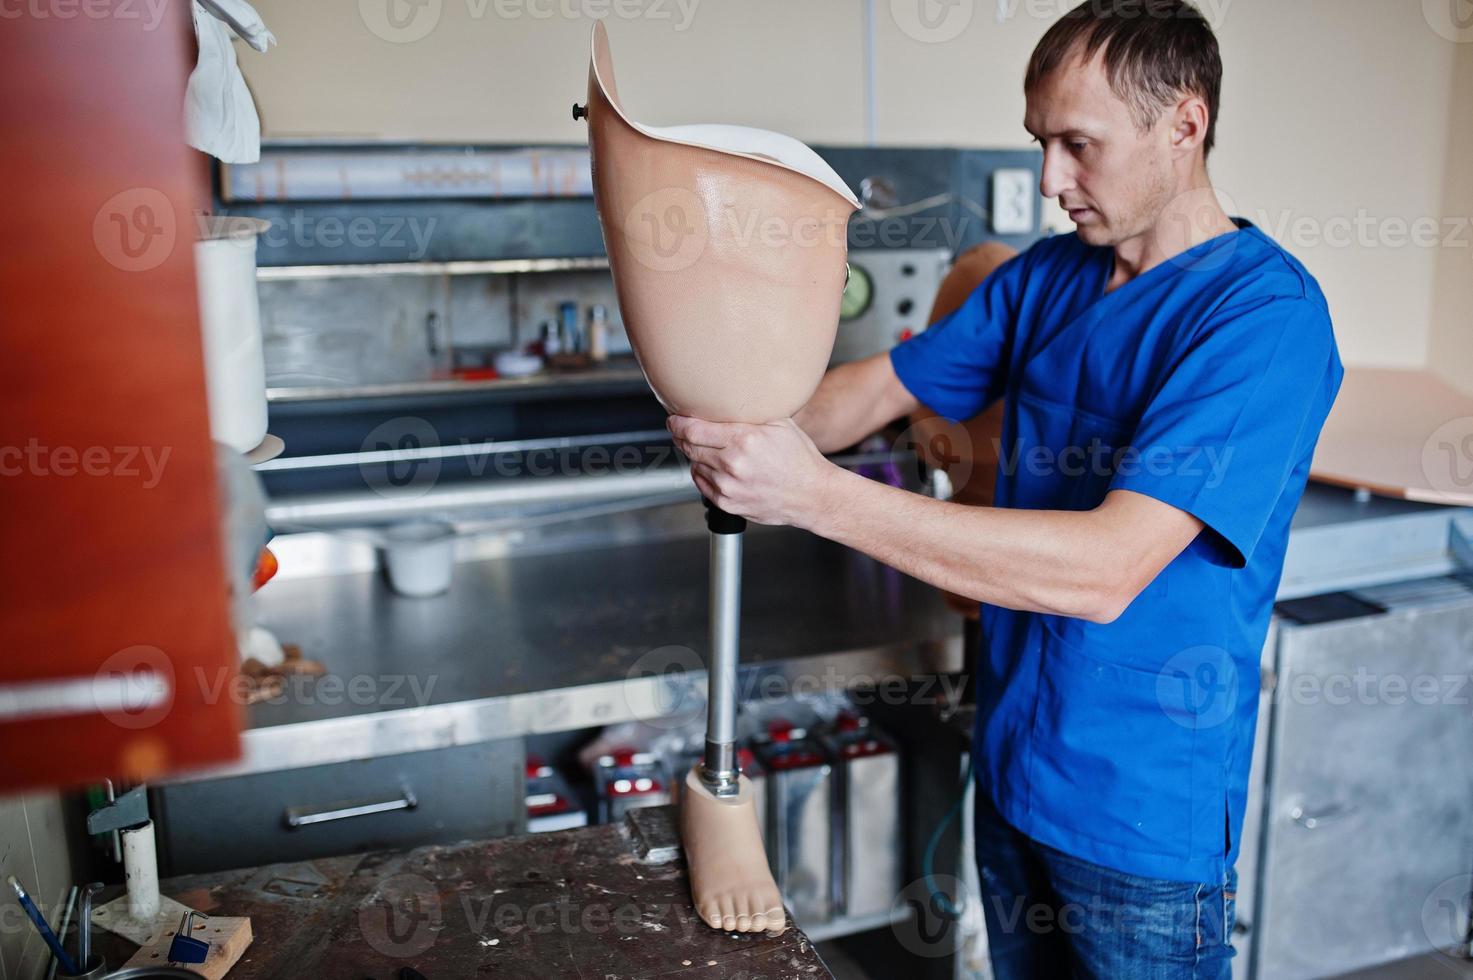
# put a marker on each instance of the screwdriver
(62, 957)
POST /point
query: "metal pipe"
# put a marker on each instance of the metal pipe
(66, 920)
(324, 511)
(84, 927)
(359, 508)
(458, 450)
(719, 771)
(464, 267)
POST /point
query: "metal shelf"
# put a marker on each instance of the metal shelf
(845, 925)
(468, 267)
(622, 372)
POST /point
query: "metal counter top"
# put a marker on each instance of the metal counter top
(1341, 540)
(557, 639)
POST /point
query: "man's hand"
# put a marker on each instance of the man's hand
(770, 474)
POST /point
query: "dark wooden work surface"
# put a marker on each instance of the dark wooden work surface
(577, 903)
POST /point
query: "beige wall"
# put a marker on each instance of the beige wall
(1452, 324)
(33, 847)
(1335, 111)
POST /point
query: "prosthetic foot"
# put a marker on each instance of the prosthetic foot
(729, 880)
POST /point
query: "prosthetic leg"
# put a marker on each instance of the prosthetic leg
(727, 329)
(730, 881)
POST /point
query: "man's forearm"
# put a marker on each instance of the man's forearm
(1085, 564)
(852, 401)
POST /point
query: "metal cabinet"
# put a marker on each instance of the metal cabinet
(1367, 790)
(1251, 835)
(438, 796)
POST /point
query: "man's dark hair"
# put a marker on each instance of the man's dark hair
(1155, 51)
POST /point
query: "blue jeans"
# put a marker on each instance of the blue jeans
(1053, 916)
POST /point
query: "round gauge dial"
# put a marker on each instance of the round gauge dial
(859, 292)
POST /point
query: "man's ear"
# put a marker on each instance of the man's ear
(1189, 124)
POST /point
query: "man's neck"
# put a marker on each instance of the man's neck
(1193, 216)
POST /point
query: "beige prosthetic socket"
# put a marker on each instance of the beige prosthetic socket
(727, 248)
(729, 879)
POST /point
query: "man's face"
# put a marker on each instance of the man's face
(1113, 179)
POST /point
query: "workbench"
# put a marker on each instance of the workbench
(597, 903)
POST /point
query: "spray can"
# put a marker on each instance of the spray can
(598, 332)
(571, 336)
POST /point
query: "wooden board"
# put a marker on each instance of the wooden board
(228, 938)
(1403, 434)
(114, 577)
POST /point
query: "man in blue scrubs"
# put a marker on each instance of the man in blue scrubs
(1166, 371)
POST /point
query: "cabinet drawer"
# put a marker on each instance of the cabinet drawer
(468, 791)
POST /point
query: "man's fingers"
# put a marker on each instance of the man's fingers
(702, 476)
(698, 454)
(696, 432)
(716, 435)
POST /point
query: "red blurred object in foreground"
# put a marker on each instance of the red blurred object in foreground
(266, 568)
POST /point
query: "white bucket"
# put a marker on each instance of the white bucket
(419, 558)
(230, 321)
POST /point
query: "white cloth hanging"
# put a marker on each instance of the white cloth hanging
(219, 114)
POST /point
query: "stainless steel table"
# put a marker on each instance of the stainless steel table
(573, 630)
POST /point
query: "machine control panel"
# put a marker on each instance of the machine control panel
(887, 299)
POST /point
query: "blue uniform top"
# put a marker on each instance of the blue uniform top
(1203, 383)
